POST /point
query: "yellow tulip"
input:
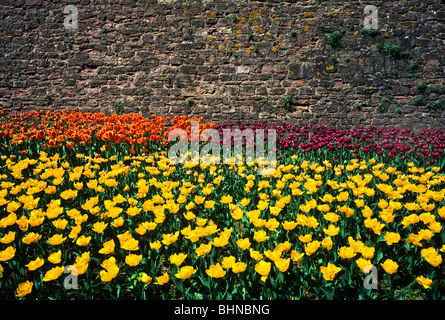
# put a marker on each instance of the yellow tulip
(56, 239)
(185, 272)
(260, 236)
(209, 204)
(263, 268)
(284, 246)
(331, 230)
(282, 264)
(327, 243)
(53, 273)
(7, 238)
(226, 199)
(24, 288)
(55, 257)
(306, 238)
(108, 247)
(31, 238)
(390, 266)
(237, 214)
(424, 282)
(145, 278)
(363, 264)
(239, 267)
(99, 227)
(330, 271)
(177, 259)
(83, 241)
(35, 264)
(392, 237)
(228, 262)
(133, 259)
(256, 255)
(133, 211)
(155, 245)
(311, 247)
(110, 274)
(289, 225)
(7, 254)
(215, 271)
(162, 279)
(220, 241)
(203, 249)
(199, 199)
(431, 256)
(272, 224)
(346, 252)
(170, 238)
(357, 246)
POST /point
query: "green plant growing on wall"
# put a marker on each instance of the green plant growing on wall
(288, 102)
(398, 109)
(370, 32)
(169, 80)
(383, 104)
(190, 102)
(266, 102)
(334, 39)
(421, 87)
(233, 17)
(366, 90)
(387, 85)
(413, 67)
(436, 105)
(419, 101)
(228, 107)
(118, 106)
(405, 54)
(391, 50)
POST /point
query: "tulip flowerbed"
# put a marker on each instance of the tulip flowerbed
(92, 208)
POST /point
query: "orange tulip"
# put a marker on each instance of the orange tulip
(61, 138)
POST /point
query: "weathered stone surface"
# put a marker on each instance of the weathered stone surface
(32, 2)
(235, 59)
(302, 70)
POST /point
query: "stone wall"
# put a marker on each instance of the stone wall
(298, 61)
